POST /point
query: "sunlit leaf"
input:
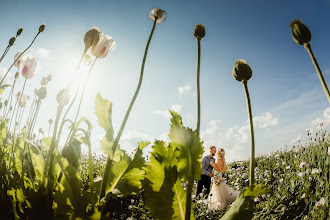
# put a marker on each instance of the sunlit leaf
(126, 174)
(47, 141)
(165, 197)
(190, 148)
(257, 191)
(242, 208)
(2, 88)
(103, 109)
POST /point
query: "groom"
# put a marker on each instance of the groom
(207, 173)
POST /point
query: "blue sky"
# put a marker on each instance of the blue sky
(286, 94)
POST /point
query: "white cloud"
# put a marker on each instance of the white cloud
(166, 114)
(265, 120)
(184, 89)
(235, 140)
(40, 52)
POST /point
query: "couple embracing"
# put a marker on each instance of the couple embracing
(221, 194)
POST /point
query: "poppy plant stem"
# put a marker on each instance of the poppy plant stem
(252, 159)
(115, 144)
(18, 58)
(198, 85)
(318, 70)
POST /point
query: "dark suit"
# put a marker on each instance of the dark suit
(205, 180)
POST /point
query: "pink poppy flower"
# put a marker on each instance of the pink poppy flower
(105, 44)
(28, 66)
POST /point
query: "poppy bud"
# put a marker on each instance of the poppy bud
(241, 71)
(72, 151)
(12, 41)
(50, 121)
(199, 31)
(16, 75)
(6, 102)
(42, 92)
(43, 81)
(63, 97)
(50, 77)
(19, 31)
(92, 37)
(300, 33)
(42, 28)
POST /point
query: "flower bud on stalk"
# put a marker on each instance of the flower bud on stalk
(19, 32)
(92, 37)
(50, 121)
(43, 81)
(241, 70)
(12, 41)
(300, 33)
(42, 28)
(49, 77)
(42, 92)
(16, 75)
(72, 152)
(63, 97)
(199, 31)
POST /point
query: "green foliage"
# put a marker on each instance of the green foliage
(170, 165)
(126, 174)
(2, 88)
(103, 109)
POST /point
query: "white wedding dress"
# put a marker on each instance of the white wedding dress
(221, 195)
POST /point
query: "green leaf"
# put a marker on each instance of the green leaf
(190, 148)
(242, 208)
(165, 197)
(2, 88)
(3, 129)
(257, 191)
(103, 109)
(47, 141)
(38, 161)
(126, 174)
(72, 185)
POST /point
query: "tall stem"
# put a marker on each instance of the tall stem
(252, 159)
(4, 53)
(10, 100)
(18, 59)
(115, 144)
(318, 70)
(198, 87)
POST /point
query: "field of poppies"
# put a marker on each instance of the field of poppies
(50, 177)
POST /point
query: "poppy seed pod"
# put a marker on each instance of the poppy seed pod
(300, 33)
(72, 151)
(42, 92)
(199, 31)
(19, 31)
(241, 70)
(12, 41)
(43, 81)
(157, 13)
(42, 28)
(63, 97)
(92, 37)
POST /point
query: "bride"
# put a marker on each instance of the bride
(221, 194)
